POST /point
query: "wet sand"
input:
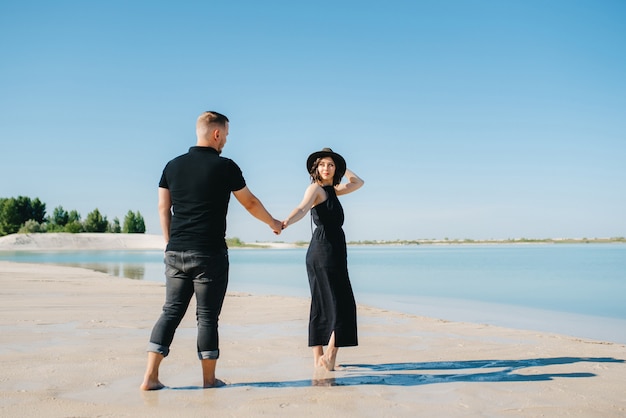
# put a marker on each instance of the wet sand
(73, 344)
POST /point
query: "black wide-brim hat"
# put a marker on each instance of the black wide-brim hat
(340, 162)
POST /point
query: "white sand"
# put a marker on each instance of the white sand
(72, 344)
(83, 241)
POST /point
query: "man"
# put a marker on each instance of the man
(194, 192)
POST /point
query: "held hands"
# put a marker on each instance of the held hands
(277, 226)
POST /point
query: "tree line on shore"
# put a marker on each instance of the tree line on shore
(25, 215)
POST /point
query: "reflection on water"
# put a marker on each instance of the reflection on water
(127, 270)
(135, 265)
(134, 271)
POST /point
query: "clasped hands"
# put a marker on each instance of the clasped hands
(278, 226)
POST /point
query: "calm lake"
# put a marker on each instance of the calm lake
(574, 289)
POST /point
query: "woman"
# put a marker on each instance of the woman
(332, 319)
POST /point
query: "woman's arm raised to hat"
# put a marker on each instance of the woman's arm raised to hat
(354, 183)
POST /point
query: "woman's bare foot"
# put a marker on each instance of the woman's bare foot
(151, 384)
(319, 363)
(329, 364)
(318, 353)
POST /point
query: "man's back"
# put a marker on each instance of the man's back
(200, 183)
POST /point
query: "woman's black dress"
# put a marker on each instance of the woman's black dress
(332, 302)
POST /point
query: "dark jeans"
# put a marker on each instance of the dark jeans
(186, 273)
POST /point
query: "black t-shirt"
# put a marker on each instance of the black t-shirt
(200, 183)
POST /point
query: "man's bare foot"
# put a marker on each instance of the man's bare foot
(150, 384)
(151, 377)
(217, 383)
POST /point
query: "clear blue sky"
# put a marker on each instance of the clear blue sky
(466, 119)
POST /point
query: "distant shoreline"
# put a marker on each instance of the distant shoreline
(494, 241)
(111, 242)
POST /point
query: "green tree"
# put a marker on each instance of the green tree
(10, 220)
(95, 222)
(14, 212)
(31, 209)
(140, 225)
(2, 203)
(60, 216)
(134, 223)
(32, 226)
(38, 211)
(58, 220)
(73, 225)
(115, 226)
(129, 222)
(73, 216)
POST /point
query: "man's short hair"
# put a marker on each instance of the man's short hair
(211, 117)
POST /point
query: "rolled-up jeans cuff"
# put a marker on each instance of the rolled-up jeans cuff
(209, 355)
(158, 348)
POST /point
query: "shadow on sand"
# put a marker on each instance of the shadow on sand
(465, 371)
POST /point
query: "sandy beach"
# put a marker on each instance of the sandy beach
(63, 241)
(73, 344)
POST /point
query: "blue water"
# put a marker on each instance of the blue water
(575, 289)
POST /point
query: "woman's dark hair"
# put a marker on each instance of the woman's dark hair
(315, 175)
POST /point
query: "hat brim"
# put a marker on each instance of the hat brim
(340, 162)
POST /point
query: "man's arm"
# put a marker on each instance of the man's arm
(165, 212)
(254, 206)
